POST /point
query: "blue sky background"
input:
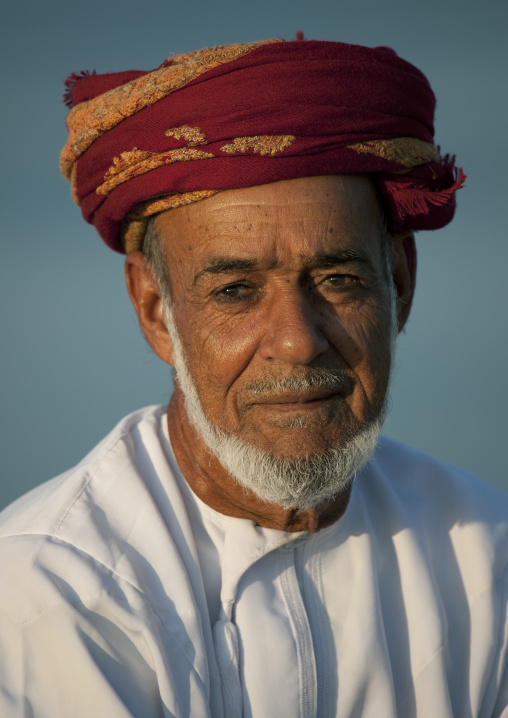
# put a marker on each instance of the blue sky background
(73, 359)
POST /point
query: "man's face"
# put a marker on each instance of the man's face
(274, 287)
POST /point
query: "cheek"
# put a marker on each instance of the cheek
(219, 349)
(362, 338)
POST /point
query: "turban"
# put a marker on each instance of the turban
(243, 115)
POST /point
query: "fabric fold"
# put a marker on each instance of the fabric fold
(225, 638)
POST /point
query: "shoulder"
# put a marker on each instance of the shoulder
(417, 475)
(45, 508)
(94, 585)
(81, 534)
(98, 581)
(455, 518)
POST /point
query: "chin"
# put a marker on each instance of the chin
(300, 470)
(301, 436)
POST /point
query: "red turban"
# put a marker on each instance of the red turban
(243, 115)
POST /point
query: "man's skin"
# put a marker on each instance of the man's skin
(266, 282)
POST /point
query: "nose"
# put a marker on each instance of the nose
(293, 331)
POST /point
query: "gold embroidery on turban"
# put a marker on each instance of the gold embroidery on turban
(91, 119)
(407, 151)
(147, 161)
(259, 144)
(192, 135)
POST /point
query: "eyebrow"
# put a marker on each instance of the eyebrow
(222, 265)
(332, 259)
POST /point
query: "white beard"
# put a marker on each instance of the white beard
(298, 483)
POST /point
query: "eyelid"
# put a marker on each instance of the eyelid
(331, 275)
(236, 283)
(240, 284)
(325, 274)
(350, 282)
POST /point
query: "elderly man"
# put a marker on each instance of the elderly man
(218, 558)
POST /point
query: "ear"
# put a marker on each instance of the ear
(145, 296)
(404, 274)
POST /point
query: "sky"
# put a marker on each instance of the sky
(74, 361)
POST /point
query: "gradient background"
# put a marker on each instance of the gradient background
(73, 359)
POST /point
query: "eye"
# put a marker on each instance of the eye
(232, 292)
(340, 280)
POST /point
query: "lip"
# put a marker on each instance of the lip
(301, 401)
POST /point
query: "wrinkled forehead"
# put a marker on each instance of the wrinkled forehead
(279, 222)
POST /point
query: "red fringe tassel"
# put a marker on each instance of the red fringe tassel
(71, 81)
(413, 199)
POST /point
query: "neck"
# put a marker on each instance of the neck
(216, 487)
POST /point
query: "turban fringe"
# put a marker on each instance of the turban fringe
(244, 115)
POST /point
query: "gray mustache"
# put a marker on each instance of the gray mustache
(321, 378)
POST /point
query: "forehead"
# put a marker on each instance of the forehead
(284, 222)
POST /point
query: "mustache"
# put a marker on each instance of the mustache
(334, 381)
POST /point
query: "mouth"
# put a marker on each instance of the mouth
(317, 390)
(308, 400)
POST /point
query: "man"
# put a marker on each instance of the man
(241, 554)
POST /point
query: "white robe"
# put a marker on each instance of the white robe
(398, 609)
